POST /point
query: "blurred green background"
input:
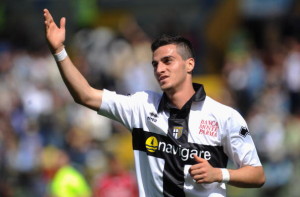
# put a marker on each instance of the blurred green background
(247, 54)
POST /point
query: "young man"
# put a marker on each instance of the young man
(181, 139)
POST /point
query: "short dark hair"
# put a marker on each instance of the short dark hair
(186, 49)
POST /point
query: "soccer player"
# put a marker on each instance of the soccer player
(182, 139)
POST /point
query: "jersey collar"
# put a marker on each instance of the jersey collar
(197, 97)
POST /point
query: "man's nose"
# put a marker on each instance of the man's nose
(160, 68)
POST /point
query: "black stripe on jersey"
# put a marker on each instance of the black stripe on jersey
(176, 156)
(168, 147)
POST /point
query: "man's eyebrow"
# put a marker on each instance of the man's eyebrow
(162, 59)
(167, 57)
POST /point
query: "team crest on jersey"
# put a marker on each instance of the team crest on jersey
(177, 132)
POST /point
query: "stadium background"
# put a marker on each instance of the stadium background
(248, 56)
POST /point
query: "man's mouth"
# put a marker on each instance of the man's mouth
(161, 78)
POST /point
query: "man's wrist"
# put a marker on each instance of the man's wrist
(225, 175)
(57, 50)
(61, 55)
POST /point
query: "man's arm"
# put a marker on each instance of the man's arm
(77, 85)
(246, 177)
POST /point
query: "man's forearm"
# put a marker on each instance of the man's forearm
(247, 177)
(77, 85)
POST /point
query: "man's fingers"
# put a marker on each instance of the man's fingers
(202, 171)
(47, 14)
(197, 171)
(62, 23)
(197, 168)
(199, 178)
(48, 17)
(49, 20)
(198, 159)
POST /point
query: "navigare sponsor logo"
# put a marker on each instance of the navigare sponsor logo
(153, 145)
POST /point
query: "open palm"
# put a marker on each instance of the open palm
(55, 35)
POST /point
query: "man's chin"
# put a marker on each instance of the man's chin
(165, 87)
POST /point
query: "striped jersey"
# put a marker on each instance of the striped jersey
(165, 139)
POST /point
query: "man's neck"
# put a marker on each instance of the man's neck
(179, 97)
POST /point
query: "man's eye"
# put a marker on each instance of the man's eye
(167, 61)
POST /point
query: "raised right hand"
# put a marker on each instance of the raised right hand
(55, 35)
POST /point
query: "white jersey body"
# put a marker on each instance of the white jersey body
(164, 143)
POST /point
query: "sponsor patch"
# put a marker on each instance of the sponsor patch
(244, 132)
(151, 144)
(153, 117)
(209, 127)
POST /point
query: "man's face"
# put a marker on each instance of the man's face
(170, 69)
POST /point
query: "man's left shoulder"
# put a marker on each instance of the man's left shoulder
(217, 107)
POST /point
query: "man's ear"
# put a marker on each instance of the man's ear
(190, 64)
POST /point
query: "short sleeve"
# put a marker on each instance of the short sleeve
(238, 143)
(122, 108)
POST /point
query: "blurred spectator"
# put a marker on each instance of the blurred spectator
(244, 71)
(292, 136)
(136, 74)
(291, 75)
(116, 181)
(67, 181)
